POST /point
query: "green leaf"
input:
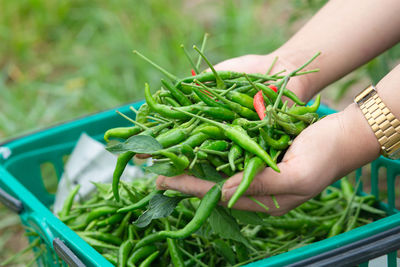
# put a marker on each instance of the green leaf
(224, 225)
(138, 144)
(160, 206)
(206, 172)
(102, 188)
(165, 168)
(247, 217)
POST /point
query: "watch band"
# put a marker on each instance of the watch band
(383, 123)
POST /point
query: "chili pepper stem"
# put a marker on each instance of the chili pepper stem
(262, 205)
(272, 65)
(162, 70)
(189, 59)
(275, 201)
(220, 82)
(203, 47)
(133, 121)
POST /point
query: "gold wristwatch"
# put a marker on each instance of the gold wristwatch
(383, 123)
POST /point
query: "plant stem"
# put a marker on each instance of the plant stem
(161, 69)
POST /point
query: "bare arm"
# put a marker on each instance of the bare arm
(348, 33)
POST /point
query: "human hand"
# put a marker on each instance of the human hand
(322, 153)
(261, 64)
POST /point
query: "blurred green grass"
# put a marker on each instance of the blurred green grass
(60, 60)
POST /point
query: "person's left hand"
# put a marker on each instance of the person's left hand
(322, 153)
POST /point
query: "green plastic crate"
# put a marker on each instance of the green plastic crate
(20, 178)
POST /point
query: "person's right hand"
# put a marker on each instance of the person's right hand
(261, 64)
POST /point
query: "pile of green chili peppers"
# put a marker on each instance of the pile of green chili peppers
(207, 125)
(211, 119)
(108, 226)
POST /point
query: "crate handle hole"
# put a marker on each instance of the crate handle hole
(49, 177)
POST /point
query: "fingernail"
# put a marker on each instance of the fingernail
(163, 185)
(228, 192)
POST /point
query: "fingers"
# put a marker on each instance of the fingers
(286, 203)
(185, 184)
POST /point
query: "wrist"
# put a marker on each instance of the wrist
(359, 145)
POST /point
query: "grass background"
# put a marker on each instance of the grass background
(63, 59)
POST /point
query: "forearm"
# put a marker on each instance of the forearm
(359, 144)
(348, 33)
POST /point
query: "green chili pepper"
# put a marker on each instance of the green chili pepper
(207, 205)
(290, 127)
(180, 162)
(307, 109)
(173, 249)
(201, 154)
(175, 135)
(140, 253)
(308, 118)
(110, 220)
(210, 130)
(254, 166)
(125, 157)
(347, 188)
(217, 162)
(178, 95)
(124, 224)
(123, 252)
(147, 262)
(122, 132)
(122, 161)
(99, 212)
(69, 201)
(164, 110)
(98, 244)
(207, 99)
(289, 94)
(170, 101)
(217, 145)
(111, 258)
(240, 137)
(248, 125)
(106, 237)
(234, 153)
(242, 99)
(241, 110)
(141, 203)
(267, 91)
(218, 113)
(280, 144)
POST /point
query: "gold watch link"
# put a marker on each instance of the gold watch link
(382, 121)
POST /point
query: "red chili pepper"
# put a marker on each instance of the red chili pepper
(273, 87)
(208, 93)
(259, 106)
